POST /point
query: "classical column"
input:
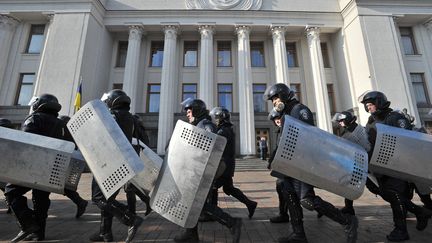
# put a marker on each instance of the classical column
(319, 80)
(7, 29)
(130, 80)
(206, 65)
(168, 83)
(281, 60)
(246, 109)
(42, 62)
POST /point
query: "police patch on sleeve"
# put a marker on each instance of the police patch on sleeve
(402, 123)
(304, 114)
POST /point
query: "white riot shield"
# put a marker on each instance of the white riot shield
(187, 174)
(321, 159)
(402, 154)
(34, 161)
(146, 179)
(76, 167)
(107, 151)
(358, 136)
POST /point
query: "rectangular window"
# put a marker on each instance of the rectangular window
(331, 96)
(156, 53)
(225, 96)
(420, 89)
(190, 57)
(189, 91)
(408, 42)
(258, 101)
(257, 54)
(224, 53)
(117, 86)
(325, 55)
(297, 91)
(153, 97)
(291, 54)
(36, 37)
(121, 53)
(25, 89)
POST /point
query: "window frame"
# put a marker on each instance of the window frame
(408, 32)
(219, 92)
(183, 90)
(20, 85)
(217, 52)
(326, 57)
(296, 63)
(251, 43)
(332, 97)
(119, 45)
(149, 93)
(428, 103)
(152, 48)
(30, 35)
(264, 104)
(184, 53)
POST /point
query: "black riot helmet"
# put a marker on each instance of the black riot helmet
(375, 97)
(346, 117)
(116, 98)
(197, 106)
(279, 90)
(220, 115)
(45, 103)
(5, 123)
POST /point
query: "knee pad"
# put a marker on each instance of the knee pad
(307, 203)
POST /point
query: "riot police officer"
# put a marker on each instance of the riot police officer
(43, 121)
(392, 190)
(198, 115)
(283, 216)
(295, 191)
(119, 104)
(222, 118)
(73, 195)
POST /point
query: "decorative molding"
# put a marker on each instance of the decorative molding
(8, 22)
(224, 4)
(206, 31)
(242, 31)
(428, 25)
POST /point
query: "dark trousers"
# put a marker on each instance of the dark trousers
(227, 184)
(18, 202)
(263, 153)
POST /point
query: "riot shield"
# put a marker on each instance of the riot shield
(146, 179)
(402, 154)
(321, 159)
(107, 151)
(34, 161)
(187, 174)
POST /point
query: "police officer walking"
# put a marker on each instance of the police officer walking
(43, 121)
(295, 191)
(198, 115)
(392, 190)
(119, 104)
(222, 116)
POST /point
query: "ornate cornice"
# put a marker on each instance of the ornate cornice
(224, 4)
(428, 25)
(8, 22)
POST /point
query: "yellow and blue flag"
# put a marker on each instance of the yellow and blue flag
(78, 97)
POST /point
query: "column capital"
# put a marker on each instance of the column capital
(278, 31)
(8, 22)
(206, 31)
(135, 32)
(243, 31)
(313, 32)
(171, 31)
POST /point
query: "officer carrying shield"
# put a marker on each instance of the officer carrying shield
(392, 190)
(221, 116)
(198, 115)
(43, 121)
(119, 104)
(297, 192)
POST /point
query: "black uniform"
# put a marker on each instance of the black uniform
(226, 180)
(43, 123)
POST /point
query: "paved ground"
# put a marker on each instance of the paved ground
(251, 177)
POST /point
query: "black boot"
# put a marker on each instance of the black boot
(251, 206)
(28, 225)
(296, 212)
(105, 232)
(189, 235)
(398, 235)
(298, 236)
(40, 234)
(239, 195)
(133, 229)
(399, 210)
(235, 230)
(281, 218)
(422, 214)
(146, 200)
(81, 208)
